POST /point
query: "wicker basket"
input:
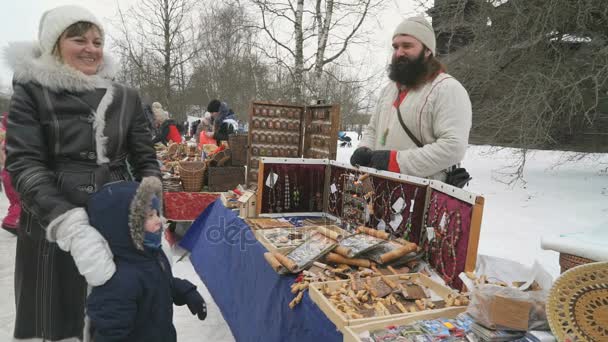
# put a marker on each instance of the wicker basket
(191, 174)
(568, 261)
(577, 308)
(172, 185)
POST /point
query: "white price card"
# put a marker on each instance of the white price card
(381, 225)
(444, 220)
(430, 233)
(272, 180)
(396, 221)
(399, 205)
(333, 188)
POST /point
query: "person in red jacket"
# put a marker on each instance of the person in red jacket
(11, 220)
(167, 128)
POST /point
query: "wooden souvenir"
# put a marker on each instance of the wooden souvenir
(380, 299)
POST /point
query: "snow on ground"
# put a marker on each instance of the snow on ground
(553, 200)
(570, 198)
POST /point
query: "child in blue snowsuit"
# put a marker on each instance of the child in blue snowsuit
(136, 304)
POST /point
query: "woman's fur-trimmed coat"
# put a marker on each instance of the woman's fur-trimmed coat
(68, 135)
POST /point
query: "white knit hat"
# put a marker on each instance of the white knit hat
(54, 21)
(419, 28)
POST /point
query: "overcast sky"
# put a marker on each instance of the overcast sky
(19, 22)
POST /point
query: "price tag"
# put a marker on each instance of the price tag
(399, 205)
(333, 188)
(430, 233)
(381, 225)
(412, 206)
(396, 221)
(272, 180)
(444, 220)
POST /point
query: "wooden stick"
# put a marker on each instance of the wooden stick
(397, 253)
(285, 261)
(272, 261)
(336, 258)
(329, 233)
(374, 232)
(343, 251)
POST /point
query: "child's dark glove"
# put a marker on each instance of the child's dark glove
(196, 304)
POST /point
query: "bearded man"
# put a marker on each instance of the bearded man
(423, 98)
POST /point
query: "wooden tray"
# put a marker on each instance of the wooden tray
(260, 234)
(341, 320)
(351, 333)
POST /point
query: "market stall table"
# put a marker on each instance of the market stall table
(253, 299)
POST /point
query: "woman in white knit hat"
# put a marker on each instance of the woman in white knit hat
(71, 130)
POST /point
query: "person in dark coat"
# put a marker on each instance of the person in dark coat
(70, 131)
(224, 120)
(136, 304)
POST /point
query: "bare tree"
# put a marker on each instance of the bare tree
(157, 41)
(536, 71)
(321, 31)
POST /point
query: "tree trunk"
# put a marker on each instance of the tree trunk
(299, 53)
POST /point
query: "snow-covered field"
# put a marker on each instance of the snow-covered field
(570, 198)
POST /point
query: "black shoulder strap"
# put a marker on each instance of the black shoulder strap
(409, 133)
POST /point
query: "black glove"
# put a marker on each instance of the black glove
(196, 304)
(458, 177)
(380, 159)
(361, 157)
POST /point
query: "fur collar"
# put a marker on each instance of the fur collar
(30, 65)
(141, 203)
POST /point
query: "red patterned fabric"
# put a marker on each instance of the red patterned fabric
(186, 206)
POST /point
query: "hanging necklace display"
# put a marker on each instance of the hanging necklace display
(271, 195)
(278, 196)
(296, 192)
(398, 205)
(408, 223)
(287, 193)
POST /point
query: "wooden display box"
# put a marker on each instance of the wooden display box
(238, 149)
(247, 204)
(321, 126)
(351, 333)
(225, 178)
(260, 236)
(341, 320)
(290, 131)
(453, 214)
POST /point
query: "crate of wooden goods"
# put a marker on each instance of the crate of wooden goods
(370, 299)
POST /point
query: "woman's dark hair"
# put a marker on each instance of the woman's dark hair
(74, 30)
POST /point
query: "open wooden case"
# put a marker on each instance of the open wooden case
(291, 131)
(444, 220)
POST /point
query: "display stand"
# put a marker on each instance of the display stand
(444, 220)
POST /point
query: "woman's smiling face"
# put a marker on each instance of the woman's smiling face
(83, 52)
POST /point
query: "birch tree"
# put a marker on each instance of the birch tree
(308, 35)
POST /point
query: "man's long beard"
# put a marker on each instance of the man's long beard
(408, 72)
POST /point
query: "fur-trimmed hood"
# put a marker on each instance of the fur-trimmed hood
(118, 212)
(29, 64)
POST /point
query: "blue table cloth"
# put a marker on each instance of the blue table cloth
(253, 299)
